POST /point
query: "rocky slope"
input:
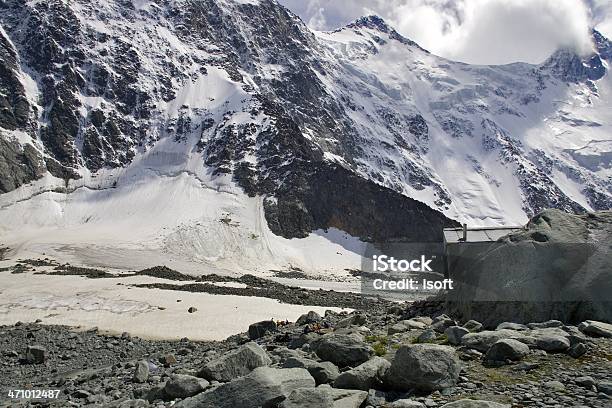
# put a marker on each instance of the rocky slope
(243, 90)
(374, 358)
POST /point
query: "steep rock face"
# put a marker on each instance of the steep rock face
(19, 163)
(349, 128)
(557, 268)
(14, 107)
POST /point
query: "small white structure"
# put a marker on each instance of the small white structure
(458, 240)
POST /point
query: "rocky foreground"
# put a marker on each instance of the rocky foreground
(368, 358)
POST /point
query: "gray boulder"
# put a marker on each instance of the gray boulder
(423, 319)
(235, 363)
(155, 393)
(324, 397)
(323, 372)
(553, 344)
(425, 367)
(35, 355)
(141, 373)
(357, 319)
(262, 387)
(397, 328)
(511, 326)
(260, 329)
(545, 325)
(365, 376)
(427, 336)
(308, 318)
(596, 329)
(376, 398)
(506, 349)
(473, 326)
(406, 403)
(280, 354)
(574, 335)
(308, 398)
(468, 403)
(304, 338)
(342, 349)
(605, 387)
(554, 385)
(441, 323)
(577, 350)
(183, 386)
(134, 403)
(586, 381)
(553, 339)
(484, 340)
(415, 323)
(455, 333)
(558, 267)
(346, 398)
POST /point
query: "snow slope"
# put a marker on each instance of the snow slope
(163, 133)
(147, 313)
(486, 125)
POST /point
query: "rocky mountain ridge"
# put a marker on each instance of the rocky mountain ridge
(244, 90)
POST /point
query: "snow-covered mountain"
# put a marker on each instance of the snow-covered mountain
(359, 129)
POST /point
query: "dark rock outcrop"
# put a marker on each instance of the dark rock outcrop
(557, 268)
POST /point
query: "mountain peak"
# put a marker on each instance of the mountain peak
(569, 66)
(377, 23)
(373, 22)
(602, 44)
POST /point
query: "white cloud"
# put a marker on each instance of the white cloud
(474, 31)
(602, 16)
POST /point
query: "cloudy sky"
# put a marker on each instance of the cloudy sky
(474, 31)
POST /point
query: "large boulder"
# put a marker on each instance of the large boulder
(365, 376)
(558, 267)
(545, 325)
(482, 341)
(554, 340)
(347, 398)
(553, 344)
(468, 403)
(577, 350)
(511, 326)
(473, 326)
(425, 367)
(183, 386)
(133, 403)
(414, 323)
(141, 372)
(235, 363)
(441, 323)
(308, 318)
(357, 319)
(596, 329)
(324, 397)
(455, 333)
(605, 387)
(308, 398)
(397, 328)
(406, 403)
(260, 329)
(263, 387)
(342, 349)
(322, 371)
(506, 349)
